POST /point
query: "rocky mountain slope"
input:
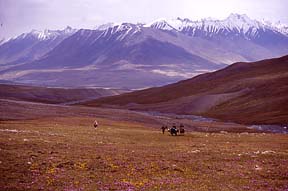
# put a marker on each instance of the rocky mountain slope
(31, 46)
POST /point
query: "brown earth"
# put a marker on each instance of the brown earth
(44, 152)
(52, 95)
(249, 93)
(55, 147)
(23, 110)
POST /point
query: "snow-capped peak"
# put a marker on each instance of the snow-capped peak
(238, 17)
(121, 30)
(241, 22)
(160, 24)
(105, 26)
(116, 27)
(48, 34)
(43, 35)
(278, 26)
(69, 30)
(234, 22)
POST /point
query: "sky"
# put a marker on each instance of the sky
(19, 16)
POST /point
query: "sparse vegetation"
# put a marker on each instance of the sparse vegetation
(246, 93)
(69, 154)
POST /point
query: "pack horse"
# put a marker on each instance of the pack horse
(174, 130)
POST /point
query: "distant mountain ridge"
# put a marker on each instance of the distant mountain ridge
(234, 24)
(31, 46)
(48, 34)
(135, 56)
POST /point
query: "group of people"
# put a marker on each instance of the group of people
(173, 130)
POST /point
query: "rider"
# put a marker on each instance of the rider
(174, 126)
(174, 129)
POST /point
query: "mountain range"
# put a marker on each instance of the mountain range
(244, 92)
(31, 46)
(136, 56)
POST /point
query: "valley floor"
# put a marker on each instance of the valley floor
(67, 153)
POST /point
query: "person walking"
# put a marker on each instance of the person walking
(163, 128)
(95, 124)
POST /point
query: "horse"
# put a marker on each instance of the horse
(182, 131)
(173, 131)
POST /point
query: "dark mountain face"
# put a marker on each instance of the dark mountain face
(31, 46)
(115, 56)
(88, 47)
(159, 53)
(15, 51)
(252, 93)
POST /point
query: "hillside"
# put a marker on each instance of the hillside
(52, 95)
(250, 93)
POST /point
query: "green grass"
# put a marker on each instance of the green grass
(69, 154)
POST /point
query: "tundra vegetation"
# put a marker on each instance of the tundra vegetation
(68, 153)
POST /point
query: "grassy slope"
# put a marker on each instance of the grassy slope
(19, 110)
(257, 93)
(68, 154)
(51, 95)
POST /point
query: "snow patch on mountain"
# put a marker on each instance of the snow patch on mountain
(278, 26)
(106, 26)
(234, 23)
(121, 30)
(2, 40)
(160, 24)
(48, 34)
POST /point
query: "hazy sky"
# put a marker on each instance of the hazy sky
(18, 16)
